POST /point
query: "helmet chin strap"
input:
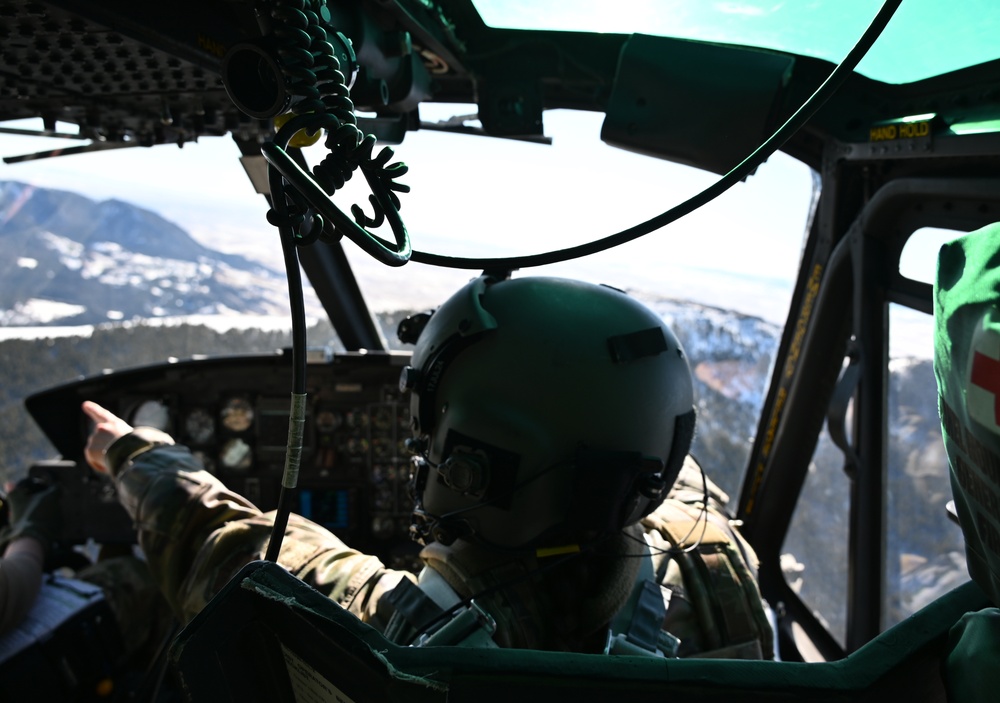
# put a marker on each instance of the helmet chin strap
(426, 528)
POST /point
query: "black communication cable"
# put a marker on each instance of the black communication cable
(296, 419)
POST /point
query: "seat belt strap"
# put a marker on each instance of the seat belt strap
(639, 623)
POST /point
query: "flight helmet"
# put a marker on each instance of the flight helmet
(544, 412)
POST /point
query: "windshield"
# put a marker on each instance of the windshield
(721, 276)
(133, 255)
(474, 196)
(925, 37)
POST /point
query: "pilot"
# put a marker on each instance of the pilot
(31, 557)
(32, 521)
(554, 495)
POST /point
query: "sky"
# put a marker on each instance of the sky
(474, 196)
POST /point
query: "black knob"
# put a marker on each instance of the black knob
(409, 377)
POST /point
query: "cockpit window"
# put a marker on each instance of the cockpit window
(956, 35)
(918, 260)
(501, 197)
(710, 274)
(922, 547)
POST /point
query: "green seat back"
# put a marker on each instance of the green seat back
(967, 367)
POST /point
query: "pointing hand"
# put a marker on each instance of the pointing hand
(107, 428)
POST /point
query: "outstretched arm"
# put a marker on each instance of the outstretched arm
(196, 533)
(175, 504)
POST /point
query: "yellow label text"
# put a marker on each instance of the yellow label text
(901, 130)
(211, 46)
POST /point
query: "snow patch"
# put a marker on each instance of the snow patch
(45, 332)
(228, 320)
(65, 247)
(38, 310)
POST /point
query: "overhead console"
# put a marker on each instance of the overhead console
(698, 106)
(233, 413)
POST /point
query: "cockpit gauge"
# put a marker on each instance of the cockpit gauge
(152, 413)
(384, 526)
(206, 461)
(328, 421)
(358, 446)
(381, 419)
(237, 414)
(357, 419)
(199, 425)
(382, 447)
(235, 455)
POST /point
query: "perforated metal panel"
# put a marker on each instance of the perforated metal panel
(122, 79)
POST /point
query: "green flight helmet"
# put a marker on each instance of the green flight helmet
(545, 412)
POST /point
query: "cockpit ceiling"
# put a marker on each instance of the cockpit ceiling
(140, 73)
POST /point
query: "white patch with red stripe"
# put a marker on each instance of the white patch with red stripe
(983, 389)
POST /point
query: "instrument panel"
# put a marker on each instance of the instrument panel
(233, 414)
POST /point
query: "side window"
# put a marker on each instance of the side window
(814, 555)
(924, 552)
(925, 555)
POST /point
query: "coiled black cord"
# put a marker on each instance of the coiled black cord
(320, 99)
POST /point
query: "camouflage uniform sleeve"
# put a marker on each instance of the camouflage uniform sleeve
(196, 534)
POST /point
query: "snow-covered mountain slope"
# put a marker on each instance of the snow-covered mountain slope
(71, 261)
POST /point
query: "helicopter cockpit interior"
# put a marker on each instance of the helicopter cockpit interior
(892, 109)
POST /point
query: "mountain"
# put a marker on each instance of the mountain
(70, 261)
